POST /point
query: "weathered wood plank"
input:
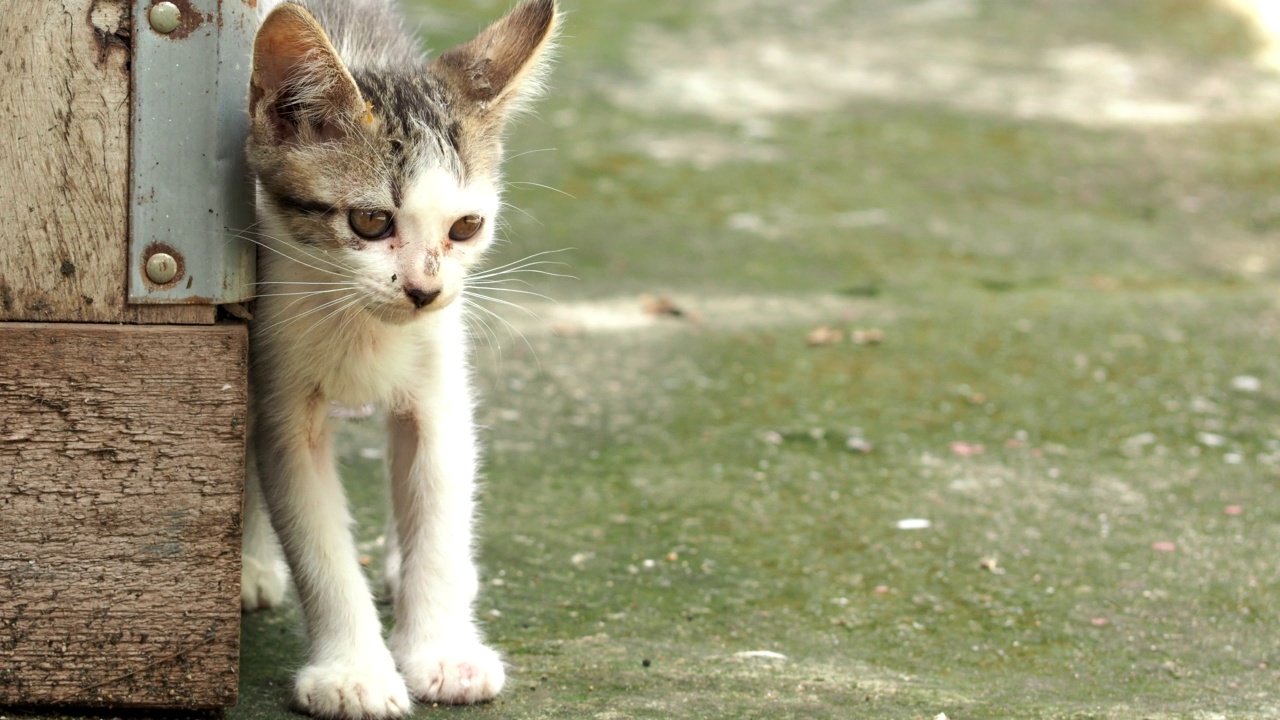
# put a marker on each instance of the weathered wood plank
(64, 165)
(121, 470)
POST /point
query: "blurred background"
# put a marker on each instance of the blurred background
(920, 358)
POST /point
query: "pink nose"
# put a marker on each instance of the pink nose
(421, 298)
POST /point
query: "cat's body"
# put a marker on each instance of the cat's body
(378, 187)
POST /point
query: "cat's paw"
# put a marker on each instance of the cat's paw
(459, 674)
(351, 692)
(262, 584)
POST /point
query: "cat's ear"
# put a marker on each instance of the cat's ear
(503, 67)
(299, 88)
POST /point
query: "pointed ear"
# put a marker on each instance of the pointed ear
(503, 67)
(299, 88)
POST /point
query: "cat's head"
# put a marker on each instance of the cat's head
(390, 171)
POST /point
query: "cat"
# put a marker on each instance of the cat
(377, 175)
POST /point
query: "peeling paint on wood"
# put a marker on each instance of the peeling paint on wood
(121, 469)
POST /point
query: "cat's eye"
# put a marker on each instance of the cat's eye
(370, 224)
(465, 228)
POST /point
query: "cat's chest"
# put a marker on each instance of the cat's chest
(373, 365)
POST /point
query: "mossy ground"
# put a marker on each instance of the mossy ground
(1094, 304)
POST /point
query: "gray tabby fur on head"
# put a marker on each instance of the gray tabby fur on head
(346, 109)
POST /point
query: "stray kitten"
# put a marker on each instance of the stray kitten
(377, 189)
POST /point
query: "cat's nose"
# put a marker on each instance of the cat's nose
(421, 298)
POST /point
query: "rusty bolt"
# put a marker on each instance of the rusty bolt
(161, 268)
(165, 17)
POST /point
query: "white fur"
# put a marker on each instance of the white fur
(362, 341)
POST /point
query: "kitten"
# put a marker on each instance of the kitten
(377, 190)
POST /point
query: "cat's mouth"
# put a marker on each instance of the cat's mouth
(410, 308)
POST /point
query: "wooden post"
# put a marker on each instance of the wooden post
(121, 426)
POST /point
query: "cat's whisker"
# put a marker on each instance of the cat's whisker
(300, 297)
(289, 257)
(503, 269)
(360, 312)
(510, 329)
(530, 152)
(545, 187)
(344, 307)
(520, 210)
(491, 338)
(530, 257)
(516, 266)
(249, 233)
(524, 269)
(345, 321)
(500, 301)
(349, 283)
(493, 288)
(294, 318)
(309, 293)
(500, 281)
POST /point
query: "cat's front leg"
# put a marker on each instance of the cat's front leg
(350, 673)
(436, 641)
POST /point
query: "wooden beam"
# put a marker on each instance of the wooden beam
(121, 470)
(64, 166)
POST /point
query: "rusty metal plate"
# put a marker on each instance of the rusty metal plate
(190, 192)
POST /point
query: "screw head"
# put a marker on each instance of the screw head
(161, 268)
(165, 17)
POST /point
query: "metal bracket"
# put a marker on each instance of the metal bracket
(190, 192)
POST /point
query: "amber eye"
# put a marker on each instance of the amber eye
(465, 228)
(370, 224)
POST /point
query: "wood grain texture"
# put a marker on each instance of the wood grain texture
(121, 471)
(64, 167)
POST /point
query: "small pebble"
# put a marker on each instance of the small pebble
(874, 336)
(858, 444)
(646, 662)
(1246, 383)
(964, 449)
(823, 335)
(914, 524)
(760, 655)
(661, 305)
(1211, 439)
